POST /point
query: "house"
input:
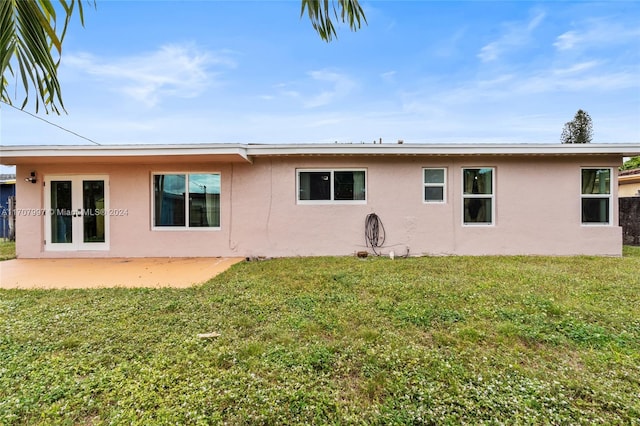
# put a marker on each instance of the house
(629, 183)
(629, 205)
(7, 192)
(314, 199)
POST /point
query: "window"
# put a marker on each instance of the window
(478, 196)
(331, 186)
(596, 196)
(434, 181)
(186, 200)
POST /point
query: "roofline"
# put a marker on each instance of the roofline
(626, 150)
(13, 154)
(119, 151)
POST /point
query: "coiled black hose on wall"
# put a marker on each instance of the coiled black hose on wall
(374, 234)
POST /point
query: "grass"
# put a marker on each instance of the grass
(7, 250)
(532, 340)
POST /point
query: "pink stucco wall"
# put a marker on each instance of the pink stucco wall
(537, 209)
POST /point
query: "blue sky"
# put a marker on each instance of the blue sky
(421, 71)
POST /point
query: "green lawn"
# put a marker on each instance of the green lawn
(7, 250)
(335, 340)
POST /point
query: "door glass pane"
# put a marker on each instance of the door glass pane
(61, 227)
(93, 211)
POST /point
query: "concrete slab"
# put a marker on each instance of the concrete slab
(116, 272)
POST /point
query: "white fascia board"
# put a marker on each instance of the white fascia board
(247, 151)
(94, 151)
(626, 150)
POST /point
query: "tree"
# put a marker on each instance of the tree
(31, 41)
(578, 130)
(632, 163)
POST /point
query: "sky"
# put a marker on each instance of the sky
(420, 71)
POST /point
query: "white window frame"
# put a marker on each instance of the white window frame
(332, 181)
(609, 197)
(491, 196)
(186, 227)
(442, 185)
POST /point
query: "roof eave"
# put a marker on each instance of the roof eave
(24, 154)
(625, 150)
(14, 155)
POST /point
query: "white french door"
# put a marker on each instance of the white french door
(76, 214)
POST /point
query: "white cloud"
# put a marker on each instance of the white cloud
(519, 87)
(516, 35)
(332, 85)
(173, 70)
(576, 68)
(388, 76)
(567, 40)
(340, 85)
(596, 32)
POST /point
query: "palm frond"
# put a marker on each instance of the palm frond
(31, 48)
(321, 13)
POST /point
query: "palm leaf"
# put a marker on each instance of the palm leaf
(321, 13)
(31, 43)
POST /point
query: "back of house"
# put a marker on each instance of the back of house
(314, 199)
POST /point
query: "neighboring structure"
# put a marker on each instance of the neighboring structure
(629, 205)
(7, 196)
(629, 183)
(305, 200)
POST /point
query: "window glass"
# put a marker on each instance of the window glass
(315, 186)
(433, 175)
(478, 196)
(332, 185)
(348, 185)
(596, 196)
(171, 192)
(434, 183)
(596, 181)
(478, 181)
(433, 193)
(477, 210)
(169, 203)
(595, 210)
(204, 200)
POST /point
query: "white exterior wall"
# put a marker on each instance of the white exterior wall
(537, 209)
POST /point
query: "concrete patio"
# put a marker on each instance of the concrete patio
(118, 272)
